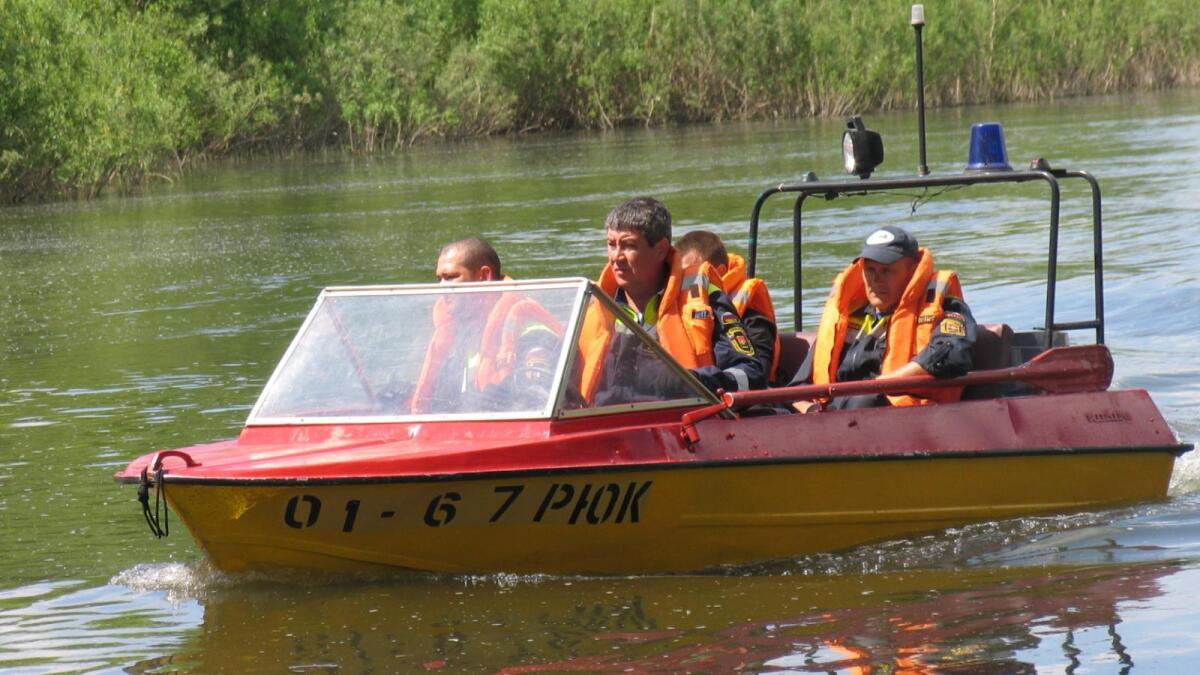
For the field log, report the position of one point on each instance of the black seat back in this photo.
(993, 350)
(793, 349)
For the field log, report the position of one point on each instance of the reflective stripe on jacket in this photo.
(910, 326)
(684, 325)
(750, 293)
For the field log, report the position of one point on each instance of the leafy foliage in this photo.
(109, 91)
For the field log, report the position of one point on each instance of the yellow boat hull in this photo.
(676, 517)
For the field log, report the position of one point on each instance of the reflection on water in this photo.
(1003, 619)
(893, 623)
(1056, 593)
(153, 321)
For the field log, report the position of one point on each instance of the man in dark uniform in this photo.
(749, 296)
(895, 273)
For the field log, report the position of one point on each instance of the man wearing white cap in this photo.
(892, 314)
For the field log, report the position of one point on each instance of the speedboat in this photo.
(344, 464)
(461, 428)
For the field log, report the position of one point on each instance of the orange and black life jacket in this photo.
(684, 324)
(910, 328)
(505, 326)
(750, 293)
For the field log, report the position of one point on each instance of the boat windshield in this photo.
(618, 366)
(467, 351)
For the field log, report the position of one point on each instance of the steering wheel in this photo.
(533, 373)
(529, 385)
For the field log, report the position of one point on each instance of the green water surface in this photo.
(151, 321)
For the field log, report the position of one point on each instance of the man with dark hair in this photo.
(687, 313)
(470, 259)
(749, 295)
(892, 314)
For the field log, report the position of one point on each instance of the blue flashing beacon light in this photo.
(988, 152)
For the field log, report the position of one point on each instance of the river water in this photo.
(152, 321)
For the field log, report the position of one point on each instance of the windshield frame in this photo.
(703, 397)
(584, 290)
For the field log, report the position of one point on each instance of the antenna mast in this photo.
(918, 22)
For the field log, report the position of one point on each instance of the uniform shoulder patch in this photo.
(952, 327)
(736, 333)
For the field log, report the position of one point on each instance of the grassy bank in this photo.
(99, 92)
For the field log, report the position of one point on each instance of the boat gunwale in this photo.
(1175, 450)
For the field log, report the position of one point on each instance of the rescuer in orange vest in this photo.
(686, 311)
(891, 314)
(479, 339)
(749, 295)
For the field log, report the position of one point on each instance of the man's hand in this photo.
(714, 379)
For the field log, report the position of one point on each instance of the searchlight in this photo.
(862, 149)
(988, 152)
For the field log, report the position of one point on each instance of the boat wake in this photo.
(180, 582)
(200, 580)
(1185, 478)
(1149, 532)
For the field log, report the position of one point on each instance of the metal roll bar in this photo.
(833, 189)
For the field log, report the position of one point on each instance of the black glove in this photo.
(715, 379)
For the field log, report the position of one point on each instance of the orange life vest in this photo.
(684, 325)
(911, 324)
(507, 320)
(506, 324)
(750, 293)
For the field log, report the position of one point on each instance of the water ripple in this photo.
(67, 628)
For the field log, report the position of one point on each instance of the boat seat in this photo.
(993, 349)
(793, 350)
(993, 346)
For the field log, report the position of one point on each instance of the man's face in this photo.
(452, 270)
(885, 283)
(637, 265)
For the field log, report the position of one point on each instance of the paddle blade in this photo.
(1065, 370)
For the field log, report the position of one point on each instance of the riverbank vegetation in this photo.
(102, 92)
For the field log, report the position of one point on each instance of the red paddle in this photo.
(1061, 370)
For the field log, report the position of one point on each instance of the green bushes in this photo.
(92, 97)
(110, 91)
